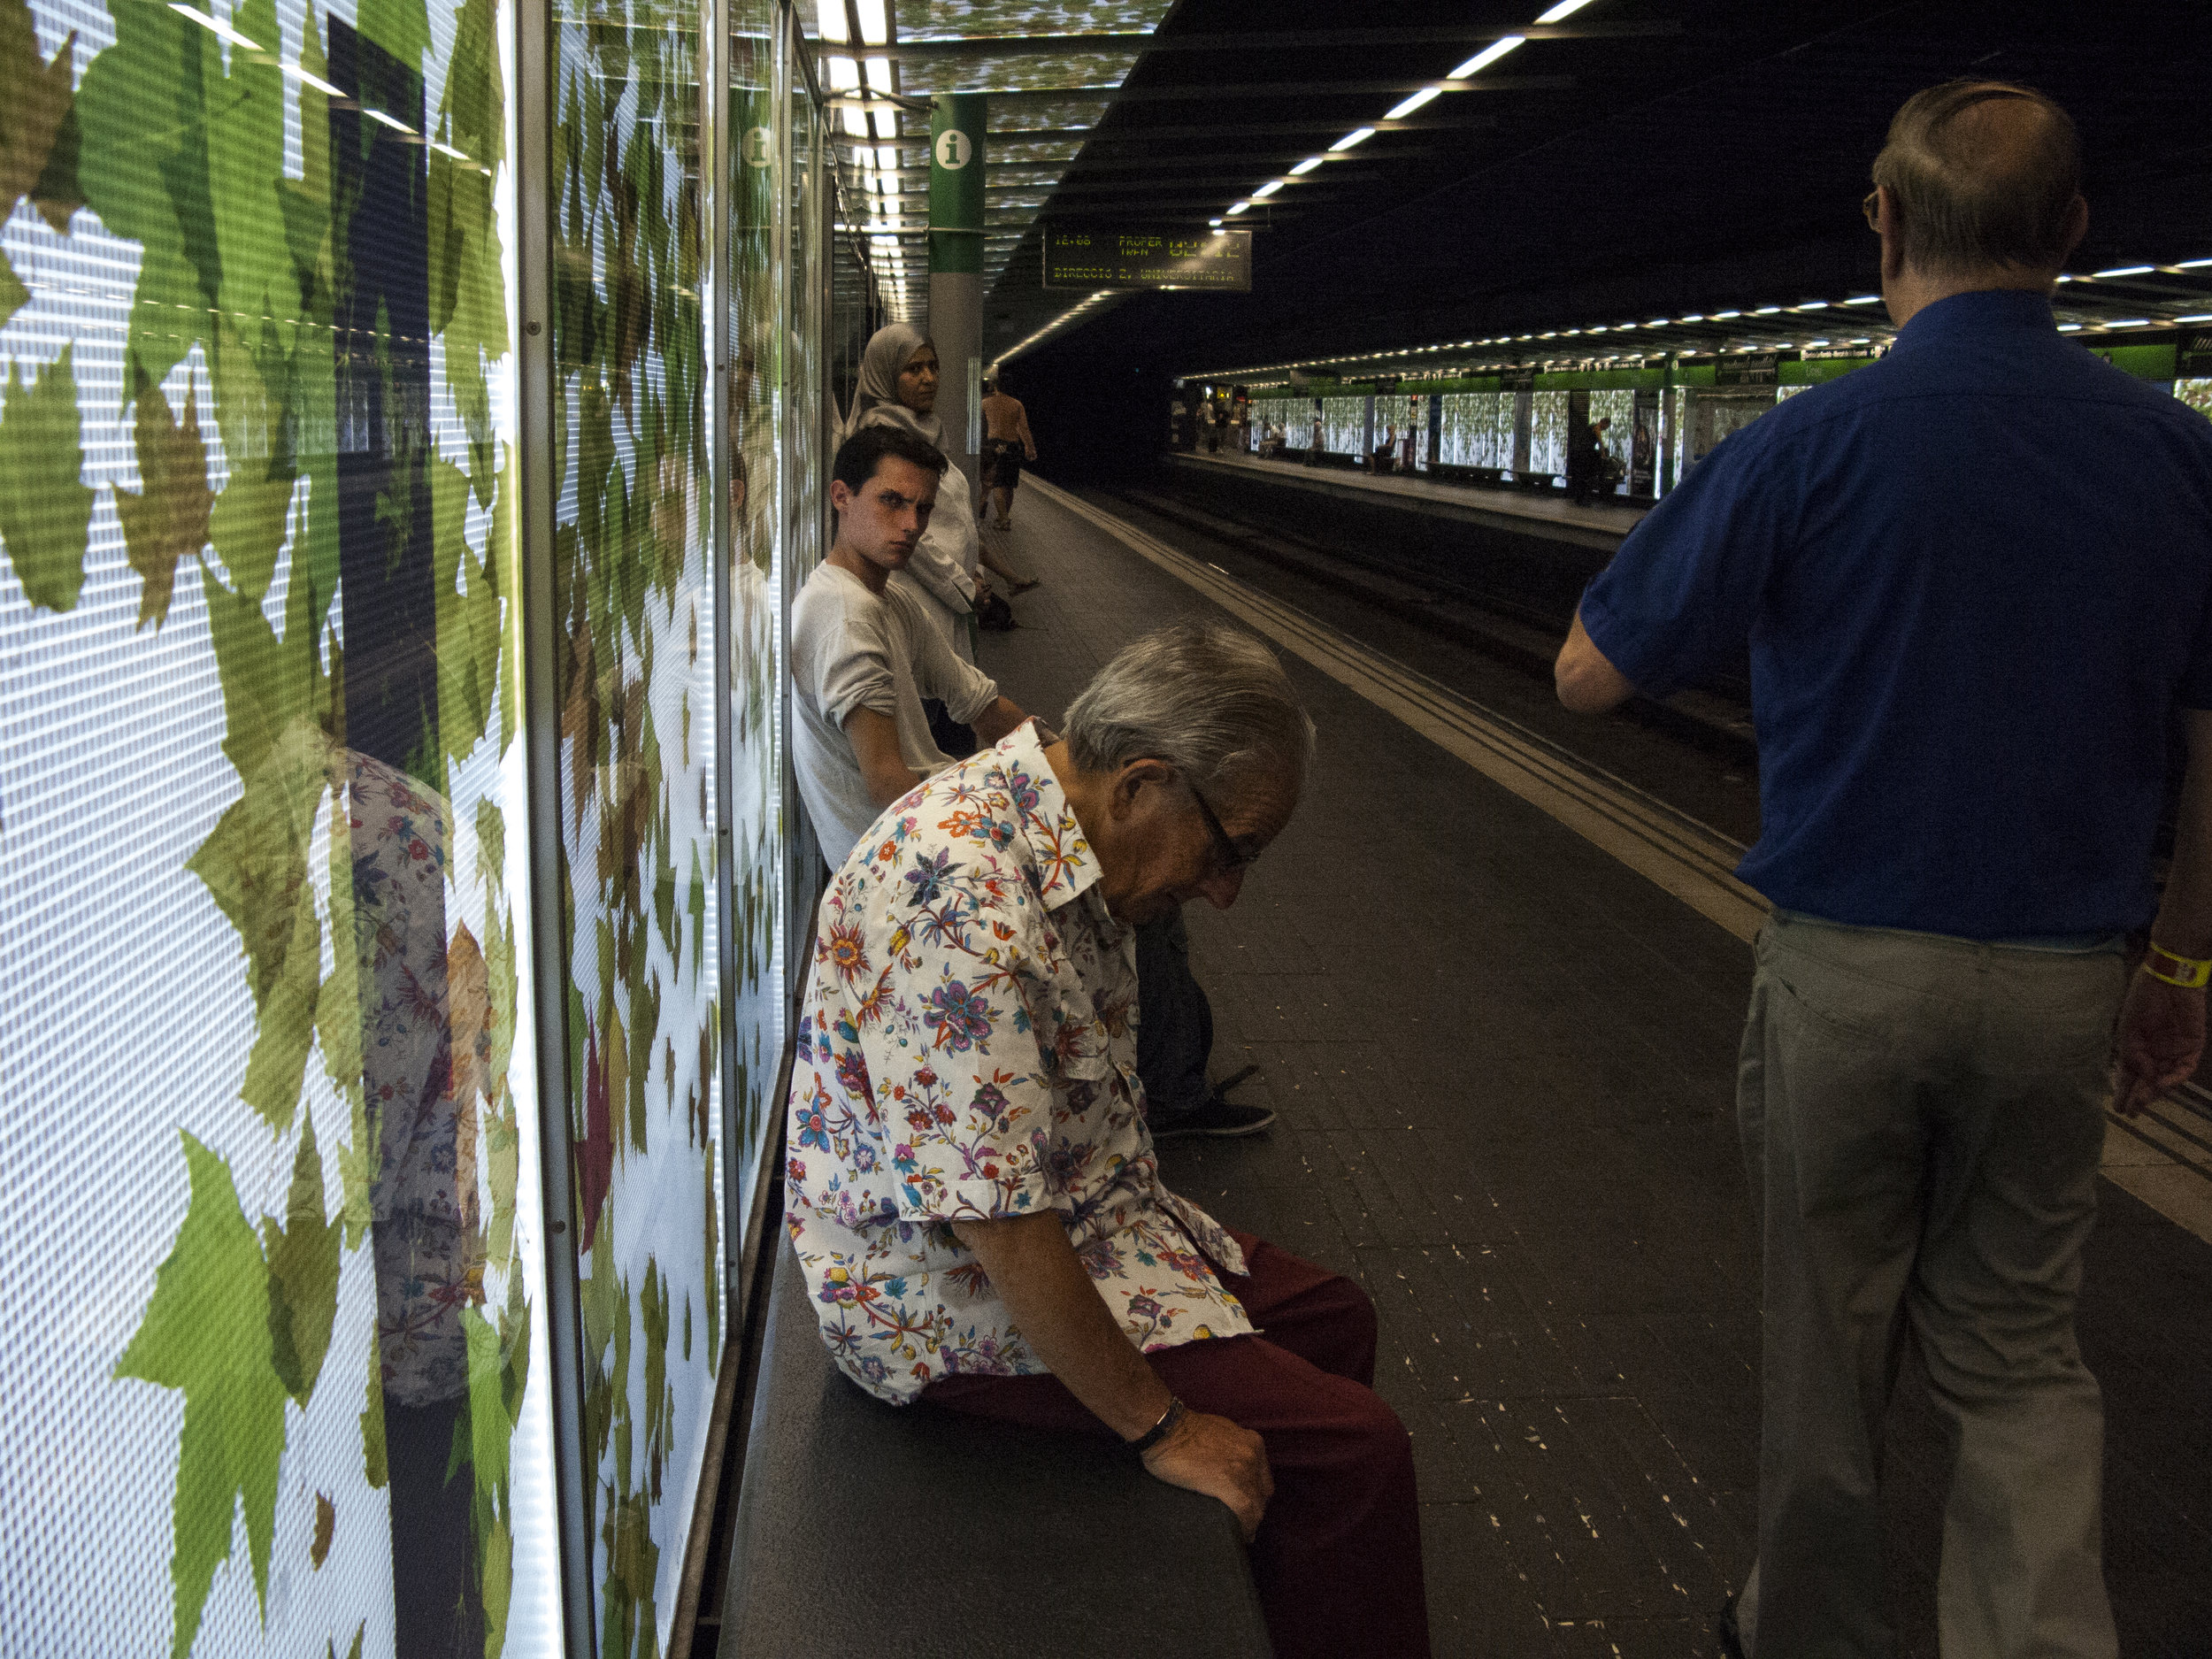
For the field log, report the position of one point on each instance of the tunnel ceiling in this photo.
(1635, 155)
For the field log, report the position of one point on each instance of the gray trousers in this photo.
(1921, 1121)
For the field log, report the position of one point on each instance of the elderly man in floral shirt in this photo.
(972, 1190)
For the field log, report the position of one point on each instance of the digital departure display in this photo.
(1081, 257)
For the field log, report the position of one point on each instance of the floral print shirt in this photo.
(968, 1051)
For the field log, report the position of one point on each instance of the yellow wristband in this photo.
(2175, 968)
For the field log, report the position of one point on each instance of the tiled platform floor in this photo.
(1504, 1070)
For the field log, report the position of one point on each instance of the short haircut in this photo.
(1210, 701)
(1982, 173)
(859, 456)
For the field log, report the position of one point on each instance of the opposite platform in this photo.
(1554, 516)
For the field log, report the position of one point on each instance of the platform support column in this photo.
(956, 125)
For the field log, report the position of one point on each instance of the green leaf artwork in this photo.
(255, 867)
(205, 1333)
(375, 1467)
(45, 512)
(326, 1525)
(36, 117)
(330, 1648)
(303, 1257)
(165, 519)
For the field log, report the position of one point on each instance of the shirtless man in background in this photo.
(1006, 444)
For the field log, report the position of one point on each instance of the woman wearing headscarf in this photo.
(898, 387)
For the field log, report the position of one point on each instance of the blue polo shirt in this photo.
(1973, 577)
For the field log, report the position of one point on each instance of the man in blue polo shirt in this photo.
(1973, 580)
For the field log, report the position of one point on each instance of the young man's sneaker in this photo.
(1219, 1119)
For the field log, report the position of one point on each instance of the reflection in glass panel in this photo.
(263, 836)
(1548, 423)
(761, 345)
(1617, 408)
(1477, 430)
(1343, 424)
(634, 592)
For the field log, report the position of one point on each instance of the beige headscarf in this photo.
(875, 400)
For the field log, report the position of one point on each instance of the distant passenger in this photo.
(863, 654)
(972, 1192)
(1974, 580)
(1006, 444)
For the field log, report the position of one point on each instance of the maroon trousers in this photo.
(1338, 1558)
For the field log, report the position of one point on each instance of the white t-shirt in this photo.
(854, 650)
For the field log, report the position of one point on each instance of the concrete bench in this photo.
(864, 1530)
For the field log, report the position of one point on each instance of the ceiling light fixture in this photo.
(1360, 134)
(1411, 104)
(1305, 166)
(1238, 209)
(1487, 56)
(1267, 189)
(1564, 8)
(2123, 270)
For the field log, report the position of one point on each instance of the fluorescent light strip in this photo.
(1487, 56)
(1238, 208)
(1411, 105)
(2123, 269)
(1360, 134)
(1305, 166)
(1267, 189)
(1564, 8)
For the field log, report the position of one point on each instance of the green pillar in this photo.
(956, 125)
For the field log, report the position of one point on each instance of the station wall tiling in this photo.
(274, 853)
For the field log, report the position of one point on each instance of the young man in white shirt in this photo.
(863, 655)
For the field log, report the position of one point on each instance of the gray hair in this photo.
(1983, 174)
(1210, 701)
